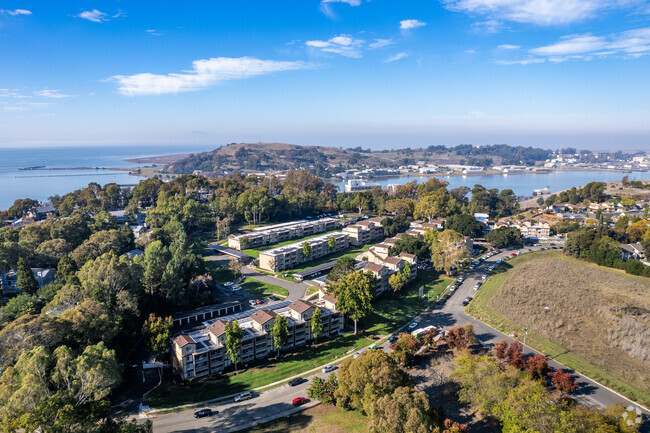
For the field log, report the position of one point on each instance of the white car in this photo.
(413, 325)
(243, 396)
(235, 288)
(476, 287)
(228, 284)
(329, 368)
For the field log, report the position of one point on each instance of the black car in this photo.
(393, 338)
(203, 413)
(297, 381)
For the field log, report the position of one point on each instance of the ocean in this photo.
(42, 184)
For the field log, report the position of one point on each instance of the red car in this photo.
(512, 255)
(258, 302)
(299, 401)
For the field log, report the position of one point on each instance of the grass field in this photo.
(319, 419)
(260, 289)
(388, 315)
(593, 319)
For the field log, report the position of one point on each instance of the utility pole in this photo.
(523, 350)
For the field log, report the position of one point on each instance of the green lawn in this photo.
(220, 274)
(392, 313)
(480, 309)
(388, 315)
(260, 289)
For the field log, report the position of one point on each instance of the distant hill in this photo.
(326, 161)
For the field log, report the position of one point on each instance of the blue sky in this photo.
(380, 73)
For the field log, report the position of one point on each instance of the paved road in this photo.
(263, 406)
(453, 313)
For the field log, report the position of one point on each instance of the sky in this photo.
(379, 74)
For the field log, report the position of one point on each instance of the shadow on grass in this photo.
(501, 268)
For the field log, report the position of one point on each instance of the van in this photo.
(243, 396)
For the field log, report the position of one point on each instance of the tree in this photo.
(280, 332)
(323, 390)
(22, 207)
(563, 381)
(360, 202)
(499, 349)
(343, 266)
(50, 252)
(316, 324)
(448, 250)
(235, 266)
(234, 335)
(306, 250)
(439, 203)
(156, 332)
(504, 237)
(355, 292)
(461, 336)
(540, 201)
(400, 206)
(464, 224)
(26, 281)
(537, 367)
(396, 282)
(403, 411)
(429, 338)
(405, 348)
(363, 380)
(97, 371)
(515, 355)
(331, 243)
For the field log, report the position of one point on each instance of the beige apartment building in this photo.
(365, 232)
(274, 234)
(290, 256)
(529, 229)
(202, 353)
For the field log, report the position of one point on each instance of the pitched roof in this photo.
(218, 328)
(382, 245)
(373, 267)
(330, 298)
(407, 255)
(301, 306)
(365, 223)
(263, 316)
(392, 260)
(183, 340)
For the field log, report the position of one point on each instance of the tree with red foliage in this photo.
(515, 355)
(537, 366)
(453, 427)
(500, 348)
(563, 381)
(461, 336)
(428, 338)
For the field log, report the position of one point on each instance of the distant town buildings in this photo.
(355, 185)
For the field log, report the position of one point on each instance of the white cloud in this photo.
(153, 32)
(411, 24)
(527, 61)
(15, 12)
(540, 12)
(380, 43)
(627, 44)
(93, 15)
(489, 26)
(470, 51)
(204, 73)
(47, 93)
(345, 45)
(396, 57)
(327, 9)
(509, 47)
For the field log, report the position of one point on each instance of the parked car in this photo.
(392, 339)
(228, 284)
(358, 354)
(203, 413)
(413, 325)
(258, 301)
(251, 302)
(467, 300)
(299, 401)
(452, 288)
(243, 396)
(329, 368)
(297, 381)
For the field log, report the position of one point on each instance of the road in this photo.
(276, 402)
(296, 290)
(453, 313)
(263, 406)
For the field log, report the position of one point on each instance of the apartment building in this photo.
(290, 256)
(365, 232)
(529, 229)
(202, 353)
(281, 232)
(355, 185)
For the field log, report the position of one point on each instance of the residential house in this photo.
(632, 251)
(9, 280)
